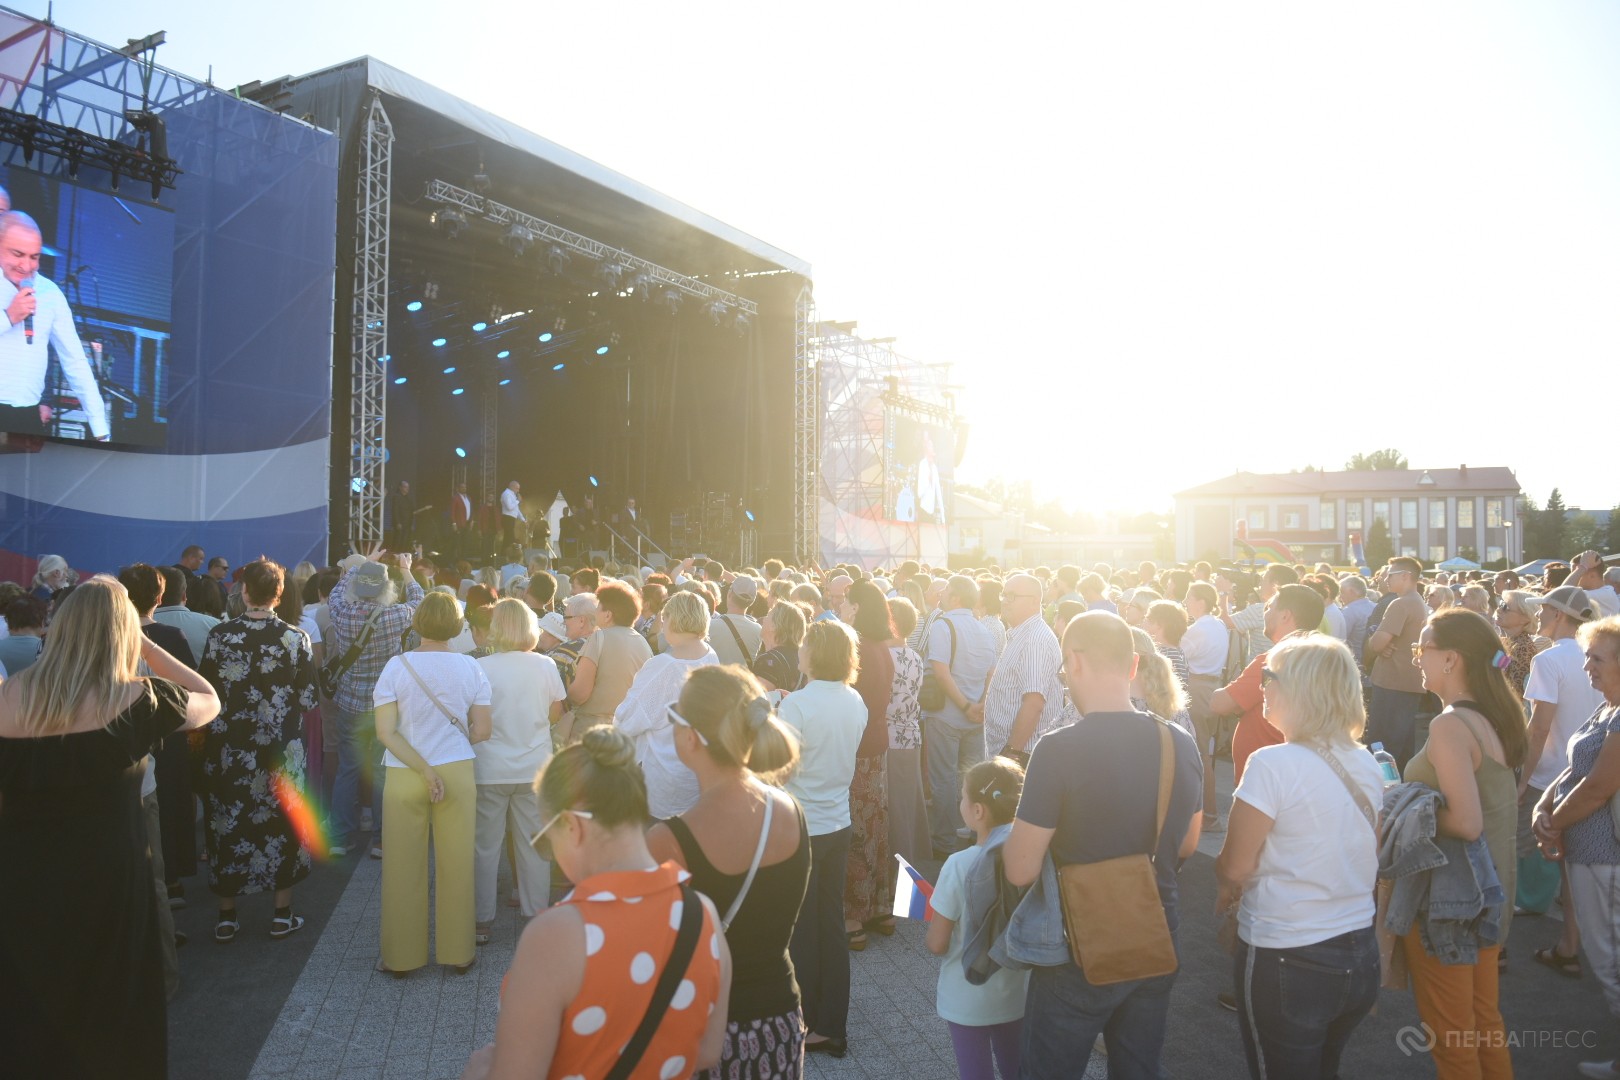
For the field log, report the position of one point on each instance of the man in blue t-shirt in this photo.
(1091, 793)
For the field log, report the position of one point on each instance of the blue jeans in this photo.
(358, 752)
(1298, 1007)
(1064, 1014)
(949, 751)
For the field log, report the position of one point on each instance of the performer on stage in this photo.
(38, 320)
(461, 521)
(399, 514)
(511, 513)
(930, 492)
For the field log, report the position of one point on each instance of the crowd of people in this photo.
(725, 764)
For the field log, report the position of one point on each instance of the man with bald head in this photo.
(1025, 699)
(837, 595)
(38, 320)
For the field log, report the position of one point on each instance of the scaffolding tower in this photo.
(368, 403)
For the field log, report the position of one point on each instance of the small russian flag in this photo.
(912, 893)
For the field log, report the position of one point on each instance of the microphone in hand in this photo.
(28, 320)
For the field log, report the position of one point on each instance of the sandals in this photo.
(285, 927)
(225, 929)
(1567, 966)
(857, 940)
(884, 925)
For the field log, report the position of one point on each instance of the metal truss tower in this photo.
(368, 404)
(489, 484)
(806, 409)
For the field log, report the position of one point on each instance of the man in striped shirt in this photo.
(1025, 698)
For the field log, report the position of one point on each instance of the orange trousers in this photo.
(1459, 1003)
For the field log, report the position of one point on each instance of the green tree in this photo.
(1551, 531)
(1378, 547)
(1611, 540)
(1581, 534)
(1378, 459)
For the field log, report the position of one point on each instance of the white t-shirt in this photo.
(1605, 600)
(308, 624)
(1306, 888)
(524, 685)
(830, 719)
(1558, 677)
(458, 682)
(998, 1001)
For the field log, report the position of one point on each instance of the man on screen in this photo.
(37, 320)
(930, 492)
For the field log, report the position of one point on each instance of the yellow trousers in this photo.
(408, 821)
(1459, 1003)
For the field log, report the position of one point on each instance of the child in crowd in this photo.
(983, 1019)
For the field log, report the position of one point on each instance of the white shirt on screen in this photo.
(23, 366)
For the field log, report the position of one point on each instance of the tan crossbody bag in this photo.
(1111, 909)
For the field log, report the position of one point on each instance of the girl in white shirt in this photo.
(1304, 907)
(986, 1021)
(672, 789)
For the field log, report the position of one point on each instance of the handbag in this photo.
(1112, 910)
(680, 958)
(332, 672)
(1392, 970)
(459, 724)
(931, 694)
(753, 867)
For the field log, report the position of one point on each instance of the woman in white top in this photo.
(1304, 907)
(643, 715)
(526, 698)
(432, 706)
(830, 718)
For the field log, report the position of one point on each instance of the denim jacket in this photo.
(988, 907)
(1034, 936)
(1453, 886)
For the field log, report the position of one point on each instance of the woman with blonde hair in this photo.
(748, 848)
(1440, 597)
(586, 970)
(432, 707)
(781, 631)
(1516, 618)
(1156, 687)
(51, 576)
(81, 975)
(1303, 905)
(830, 719)
(526, 698)
(1474, 745)
(644, 714)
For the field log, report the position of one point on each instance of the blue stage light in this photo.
(400, 381)
(546, 336)
(438, 342)
(480, 327)
(414, 305)
(558, 367)
(460, 452)
(503, 354)
(358, 483)
(749, 514)
(505, 381)
(385, 358)
(602, 351)
(450, 371)
(458, 391)
(593, 482)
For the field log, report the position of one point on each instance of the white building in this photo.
(1432, 514)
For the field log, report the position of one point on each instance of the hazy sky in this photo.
(1158, 242)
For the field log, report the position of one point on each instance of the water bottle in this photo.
(1386, 764)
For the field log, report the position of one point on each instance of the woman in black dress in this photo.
(726, 733)
(253, 754)
(81, 978)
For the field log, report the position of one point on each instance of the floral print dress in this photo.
(253, 758)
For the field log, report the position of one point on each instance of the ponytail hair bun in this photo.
(609, 747)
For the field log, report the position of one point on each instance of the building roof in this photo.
(1360, 481)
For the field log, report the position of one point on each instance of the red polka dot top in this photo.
(631, 918)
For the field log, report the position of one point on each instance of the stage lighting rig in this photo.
(452, 221)
(717, 311)
(741, 323)
(148, 163)
(672, 301)
(556, 258)
(517, 240)
(612, 274)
